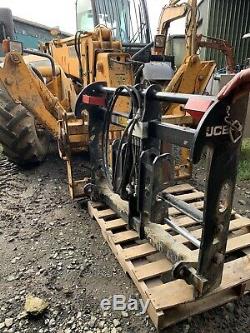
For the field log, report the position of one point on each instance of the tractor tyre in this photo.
(6, 20)
(22, 142)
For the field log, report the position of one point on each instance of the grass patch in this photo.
(244, 168)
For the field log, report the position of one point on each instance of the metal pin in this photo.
(183, 232)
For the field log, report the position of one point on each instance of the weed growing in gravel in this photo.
(244, 169)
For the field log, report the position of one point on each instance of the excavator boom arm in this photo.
(220, 45)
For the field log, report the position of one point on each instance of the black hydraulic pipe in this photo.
(45, 55)
(134, 45)
(145, 48)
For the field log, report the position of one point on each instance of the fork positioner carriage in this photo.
(141, 173)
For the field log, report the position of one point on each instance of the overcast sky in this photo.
(62, 12)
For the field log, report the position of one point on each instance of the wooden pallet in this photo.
(173, 301)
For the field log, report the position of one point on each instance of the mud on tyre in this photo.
(22, 142)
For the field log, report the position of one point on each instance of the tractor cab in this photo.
(128, 19)
(129, 22)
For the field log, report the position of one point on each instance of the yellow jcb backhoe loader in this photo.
(44, 87)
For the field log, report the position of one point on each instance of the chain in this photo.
(235, 127)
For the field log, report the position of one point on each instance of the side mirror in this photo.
(160, 42)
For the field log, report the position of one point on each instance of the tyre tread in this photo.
(18, 135)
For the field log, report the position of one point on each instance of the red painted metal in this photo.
(196, 107)
(94, 100)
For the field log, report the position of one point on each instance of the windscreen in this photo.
(128, 19)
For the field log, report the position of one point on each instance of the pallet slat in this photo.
(115, 224)
(233, 244)
(238, 242)
(234, 225)
(125, 236)
(106, 213)
(152, 269)
(190, 196)
(179, 188)
(182, 222)
(138, 251)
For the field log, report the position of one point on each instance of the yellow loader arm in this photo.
(27, 89)
(54, 113)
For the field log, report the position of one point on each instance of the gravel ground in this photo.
(52, 249)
